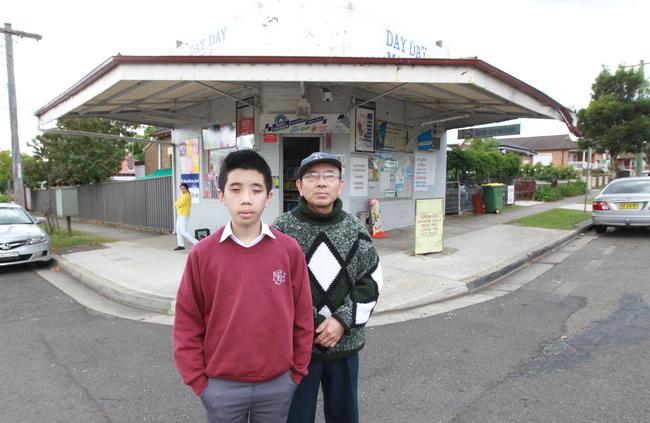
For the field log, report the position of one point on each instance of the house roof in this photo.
(159, 90)
(507, 144)
(544, 143)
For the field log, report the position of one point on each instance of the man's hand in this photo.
(329, 333)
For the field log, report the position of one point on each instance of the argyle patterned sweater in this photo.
(344, 271)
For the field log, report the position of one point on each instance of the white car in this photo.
(623, 202)
(21, 239)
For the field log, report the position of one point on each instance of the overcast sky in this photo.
(557, 46)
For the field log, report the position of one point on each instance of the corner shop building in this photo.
(385, 117)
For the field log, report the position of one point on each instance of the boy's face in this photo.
(245, 196)
(320, 193)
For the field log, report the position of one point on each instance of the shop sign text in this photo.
(398, 45)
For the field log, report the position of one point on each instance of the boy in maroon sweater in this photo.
(243, 329)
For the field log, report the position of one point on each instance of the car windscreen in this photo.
(628, 187)
(14, 216)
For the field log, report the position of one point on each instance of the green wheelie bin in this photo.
(493, 197)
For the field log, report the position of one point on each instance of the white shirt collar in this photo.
(227, 232)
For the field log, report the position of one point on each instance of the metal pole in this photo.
(19, 191)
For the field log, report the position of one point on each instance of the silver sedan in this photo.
(623, 202)
(21, 239)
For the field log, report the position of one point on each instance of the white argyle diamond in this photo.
(324, 266)
(378, 276)
(363, 312)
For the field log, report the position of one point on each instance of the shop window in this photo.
(218, 141)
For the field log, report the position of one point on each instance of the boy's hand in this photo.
(329, 333)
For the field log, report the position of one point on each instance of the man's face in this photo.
(245, 197)
(318, 187)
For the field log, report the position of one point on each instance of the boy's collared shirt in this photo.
(227, 232)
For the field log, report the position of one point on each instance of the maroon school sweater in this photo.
(243, 314)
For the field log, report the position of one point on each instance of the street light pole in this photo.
(19, 191)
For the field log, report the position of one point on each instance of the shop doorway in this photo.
(294, 149)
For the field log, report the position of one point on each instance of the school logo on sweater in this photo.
(279, 276)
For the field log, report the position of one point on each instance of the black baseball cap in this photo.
(318, 157)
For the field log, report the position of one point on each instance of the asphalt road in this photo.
(61, 362)
(572, 345)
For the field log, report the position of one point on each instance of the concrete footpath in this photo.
(141, 270)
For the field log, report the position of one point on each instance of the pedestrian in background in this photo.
(183, 206)
(243, 328)
(345, 278)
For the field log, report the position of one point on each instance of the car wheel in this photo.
(600, 229)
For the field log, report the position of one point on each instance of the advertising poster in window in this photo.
(390, 175)
(245, 124)
(421, 173)
(429, 139)
(429, 215)
(358, 177)
(391, 136)
(192, 181)
(219, 136)
(189, 164)
(189, 155)
(213, 160)
(285, 123)
(364, 140)
(425, 171)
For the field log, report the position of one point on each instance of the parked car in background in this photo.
(21, 239)
(623, 202)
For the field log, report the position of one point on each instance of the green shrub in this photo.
(4, 198)
(566, 172)
(482, 163)
(528, 171)
(547, 193)
(572, 189)
(550, 172)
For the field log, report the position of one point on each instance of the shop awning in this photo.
(159, 90)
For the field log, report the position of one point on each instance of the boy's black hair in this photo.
(184, 185)
(248, 160)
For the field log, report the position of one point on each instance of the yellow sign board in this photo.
(429, 215)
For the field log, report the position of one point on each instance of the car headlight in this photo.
(37, 240)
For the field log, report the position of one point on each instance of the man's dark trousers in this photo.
(339, 379)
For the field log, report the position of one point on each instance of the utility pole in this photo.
(19, 191)
(639, 162)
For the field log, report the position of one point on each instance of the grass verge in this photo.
(553, 219)
(62, 243)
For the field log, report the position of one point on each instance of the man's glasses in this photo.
(313, 177)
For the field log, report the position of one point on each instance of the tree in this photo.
(6, 170)
(34, 171)
(482, 162)
(617, 119)
(78, 160)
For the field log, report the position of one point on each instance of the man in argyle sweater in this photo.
(345, 277)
